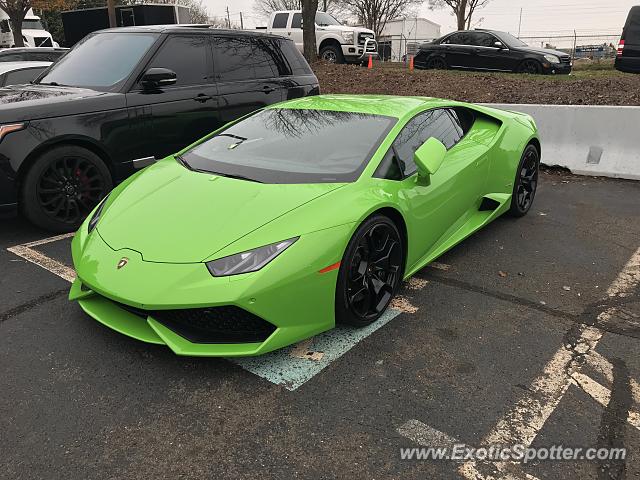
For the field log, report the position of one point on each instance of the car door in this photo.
(438, 207)
(458, 50)
(177, 115)
(246, 75)
(295, 30)
(487, 55)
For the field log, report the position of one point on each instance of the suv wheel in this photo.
(331, 54)
(437, 63)
(62, 187)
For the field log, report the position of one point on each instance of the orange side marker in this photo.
(335, 266)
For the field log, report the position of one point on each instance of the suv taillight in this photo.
(620, 47)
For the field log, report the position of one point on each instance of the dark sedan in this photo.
(490, 50)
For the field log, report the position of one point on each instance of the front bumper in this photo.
(360, 51)
(289, 294)
(556, 68)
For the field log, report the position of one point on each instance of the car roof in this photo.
(188, 28)
(10, 66)
(389, 105)
(32, 49)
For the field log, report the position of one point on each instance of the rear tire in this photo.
(370, 272)
(437, 63)
(62, 187)
(331, 54)
(525, 183)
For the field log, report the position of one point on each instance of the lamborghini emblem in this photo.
(123, 261)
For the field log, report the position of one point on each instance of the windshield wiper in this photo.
(53, 84)
(183, 162)
(237, 177)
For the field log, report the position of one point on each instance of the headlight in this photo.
(250, 261)
(14, 127)
(347, 37)
(96, 216)
(552, 58)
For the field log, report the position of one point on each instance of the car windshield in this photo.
(293, 146)
(32, 24)
(101, 61)
(323, 19)
(510, 40)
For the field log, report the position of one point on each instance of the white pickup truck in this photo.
(336, 43)
(33, 33)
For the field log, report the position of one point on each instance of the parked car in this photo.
(628, 55)
(490, 50)
(33, 32)
(19, 73)
(306, 214)
(124, 96)
(336, 43)
(32, 54)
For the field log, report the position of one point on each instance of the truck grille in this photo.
(362, 37)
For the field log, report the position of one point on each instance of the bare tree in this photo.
(462, 9)
(309, 9)
(264, 8)
(197, 10)
(375, 14)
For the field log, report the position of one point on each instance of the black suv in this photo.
(490, 50)
(628, 55)
(123, 96)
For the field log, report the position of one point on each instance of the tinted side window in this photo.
(433, 123)
(13, 57)
(632, 28)
(296, 21)
(482, 39)
(460, 38)
(188, 56)
(280, 20)
(298, 64)
(275, 53)
(19, 77)
(243, 58)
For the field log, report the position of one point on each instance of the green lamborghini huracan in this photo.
(296, 217)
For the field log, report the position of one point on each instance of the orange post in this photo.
(370, 65)
(411, 63)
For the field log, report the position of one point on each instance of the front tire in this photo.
(331, 54)
(62, 186)
(370, 272)
(530, 66)
(526, 182)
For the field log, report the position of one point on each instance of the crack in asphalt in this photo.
(588, 317)
(33, 303)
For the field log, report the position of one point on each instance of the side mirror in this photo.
(429, 157)
(158, 77)
(498, 44)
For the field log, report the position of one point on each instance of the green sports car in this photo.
(298, 216)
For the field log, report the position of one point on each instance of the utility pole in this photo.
(520, 22)
(241, 22)
(228, 19)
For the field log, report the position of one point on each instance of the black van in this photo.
(123, 96)
(628, 57)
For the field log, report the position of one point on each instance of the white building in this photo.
(403, 36)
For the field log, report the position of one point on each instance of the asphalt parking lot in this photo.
(528, 332)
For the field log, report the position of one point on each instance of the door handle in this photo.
(202, 98)
(268, 89)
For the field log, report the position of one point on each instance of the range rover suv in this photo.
(121, 98)
(490, 50)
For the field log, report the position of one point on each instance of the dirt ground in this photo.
(583, 87)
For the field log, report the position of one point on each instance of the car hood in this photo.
(31, 102)
(170, 214)
(543, 51)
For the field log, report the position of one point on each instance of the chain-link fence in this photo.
(397, 48)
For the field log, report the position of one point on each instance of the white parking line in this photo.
(27, 252)
(524, 420)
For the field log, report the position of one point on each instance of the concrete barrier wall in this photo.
(588, 140)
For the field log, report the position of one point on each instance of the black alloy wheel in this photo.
(532, 67)
(370, 272)
(63, 186)
(526, 182)
(437, 63)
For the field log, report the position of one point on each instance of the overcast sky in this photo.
(586, 16)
